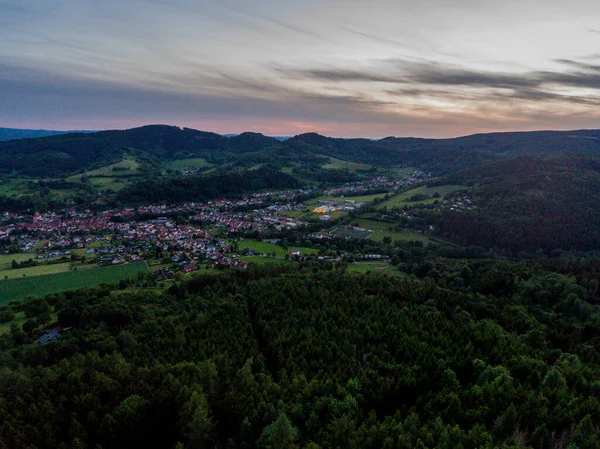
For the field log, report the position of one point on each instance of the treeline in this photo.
(202, 188)
(313, 356)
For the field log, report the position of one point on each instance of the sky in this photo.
(347, 68)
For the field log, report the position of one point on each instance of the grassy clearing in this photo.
(402, 171)
(40, 286)
(339, 164)
(263, 260)
(40, 270)
(114, 176)
(382, 229)
(186, 164)
(6, 259)
(379, 267)
(19, 318)
(403, 199)
(11, 187)
(262, 247)
(343, 231)
(305, 251)
(125, 168)
(357, 199)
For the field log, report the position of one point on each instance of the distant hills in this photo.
(64, 154)
(15, 134)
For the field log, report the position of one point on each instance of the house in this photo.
(52, 334)
(188, 267)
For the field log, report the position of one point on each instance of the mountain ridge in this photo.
(69, 153)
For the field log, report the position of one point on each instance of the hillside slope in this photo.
(530, 203)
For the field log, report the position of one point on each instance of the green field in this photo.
(262, 247)
(115, 184)
(402, 171)
(114, 176)
(186, 164)
(381, 229)
(338, 164)
(378, 267)
(401, 199)
(343, 231)
(40, 286)
(305, 251)
(128, 167)
(39, 270)
(263, 260)
(358, 199)
(11, 187)
(6, 259)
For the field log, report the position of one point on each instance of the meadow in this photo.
(40, 286)
(126, 167)
(378, 267)
(114, 176)
(403, 199)
(382, 229)
(39, 270)
(339, 164)
(262, 247)
(305, 251)
(261, 260)
(186, 164)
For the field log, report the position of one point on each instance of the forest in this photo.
(202, 188)
(529, 204)
(458, 353)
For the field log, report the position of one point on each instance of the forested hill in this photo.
(312, 357)
(530, 203)
(15, 134)
(76, 152)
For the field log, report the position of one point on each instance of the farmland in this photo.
(419, 196)
(40, 286)
(6, 259)
(262, 247)
(382, 229)
(127, 167)
(374, 267)
(344, 231)
(305, 251)
(338, 164)
(39, 270)
(263, 260)
(114, 176)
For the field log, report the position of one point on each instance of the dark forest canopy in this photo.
(202, 188)
(312, 357)
(530, 204)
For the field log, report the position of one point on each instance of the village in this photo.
(173, 238)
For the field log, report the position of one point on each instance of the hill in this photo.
(15, 134)
(308, 356)
(76, 152)
(530, 203)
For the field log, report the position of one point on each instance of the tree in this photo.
(279, 435)
(196, 421)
